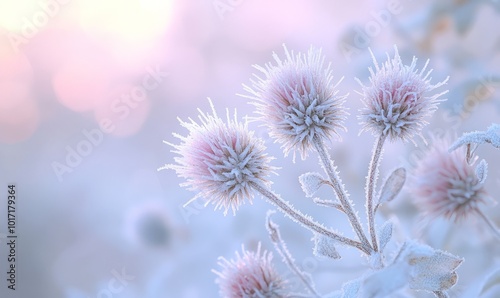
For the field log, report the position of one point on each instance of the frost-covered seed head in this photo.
(398, 99)
(221, 160)
(444, 184)
(251, 275)
(298, 100)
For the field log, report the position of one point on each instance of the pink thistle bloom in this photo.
(298, 100)
(398, 98)
(221, 160)
(444, 184)
(251, 275)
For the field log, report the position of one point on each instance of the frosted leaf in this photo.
(392, 186)
(492, 136)
(310, 183)
(272, 228)
(385, 234)
(482, 171)
(325, 247)
(431, 269)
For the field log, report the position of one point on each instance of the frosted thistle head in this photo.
(398, 98)
(298, 100)
(221, 161)
(250, 275)
(444, 184)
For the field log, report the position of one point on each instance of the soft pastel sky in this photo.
(90, 89)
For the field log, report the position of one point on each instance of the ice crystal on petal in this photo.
(221, 160)
(398, 98)
(298, 100)
(444, 184)
(250, 275)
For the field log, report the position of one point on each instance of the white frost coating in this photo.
(492, 136)
(392, 185)
(325, 247)
(482, 171)
(417, 266)
(430, 269)
(310, 183)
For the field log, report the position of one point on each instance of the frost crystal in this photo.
(221, 160)
(298, 100)
(445, 184)
(251, 275)
(397, 99)
(492, 136)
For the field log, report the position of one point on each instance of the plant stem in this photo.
(341, 193)
(488, 221)
(371, 182)
(287, 257)
(306, 221)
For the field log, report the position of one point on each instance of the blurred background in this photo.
(89, 90)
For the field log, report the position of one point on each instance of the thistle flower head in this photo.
(221, 161)
(298, 100)
(398, 98)
(251, 275)
(444, 184)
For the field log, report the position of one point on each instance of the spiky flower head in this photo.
(298, 100)
(221, 161)
(444, 184)
(398, 98)
(250, 275)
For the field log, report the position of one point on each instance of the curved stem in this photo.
(304, 220)
(280, 246)
(371, 181)
(488, 221)
(341, 193)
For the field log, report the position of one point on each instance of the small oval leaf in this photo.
(325, 247)
(310, 183)
(385, 234)
(392, 185)
(482, 171)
